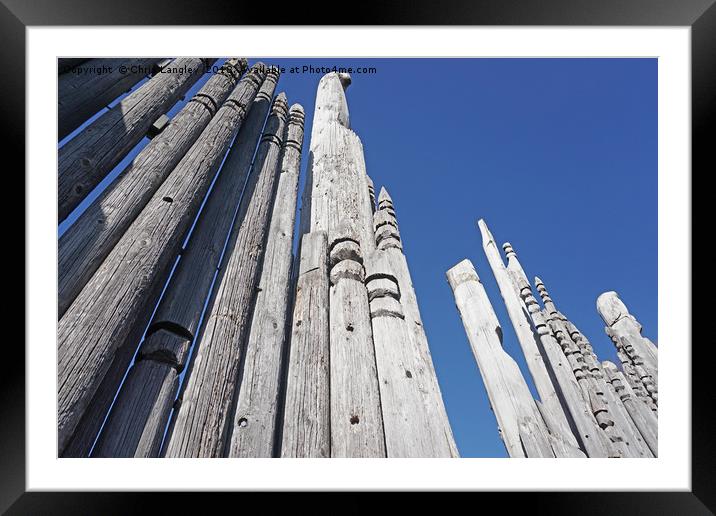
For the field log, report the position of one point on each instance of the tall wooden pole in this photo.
(87, 90)
(409, 429)
(627, 333)
(114, 307)
(356, 419)
(88, 157)
(306, 421)
(644, 419)
(520, 424)
(336, 169)
(388, 240)
(177, 317)
(203, 421)
(254, 428)
(581, 413)
(88, 241)
(551, 404)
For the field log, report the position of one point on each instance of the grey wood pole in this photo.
(254, 430)
(183, 302)
(135, 426)
(389, 241)
(86, 90)
(551, 405)
(409, 429)
(203, 421)
(644, 419)
(306, 420)
(356, 420)
(638, 447)
(114, 307)
(88, 241)
(592, 439)
(92, 154)
(626, 333)
(520, 423)
(336, 168)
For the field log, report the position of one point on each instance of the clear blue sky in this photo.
(559, 156)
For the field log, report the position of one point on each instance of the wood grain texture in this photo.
(203, 420)
(644, 419)
(551, 406)
(184, 299)
(92, 154)
(89, 88)
(410, 430)
(88, 241)
(336, 168)
(254, 429)
(112, 310)
(356, 420)
(520, 424)
(625, 326)
(306, 422)
(389, 241)
(579, 411)
(136, 424)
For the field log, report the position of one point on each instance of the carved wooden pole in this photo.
(356, 420)
(388, 240)
(336, 170)
(306, 422)
(203, 421)
(87, 90)
(112, 310)
(89, 156)
(176, 319)
(409, 430)
(87, 242)
(593, 440)
(628, 330)
(644, 419)
(254, 427)
(520, 424)
(551, 406)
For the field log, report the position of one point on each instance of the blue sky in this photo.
(559, 156)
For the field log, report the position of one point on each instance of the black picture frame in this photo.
(17, 15)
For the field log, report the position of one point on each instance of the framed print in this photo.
(452, 240)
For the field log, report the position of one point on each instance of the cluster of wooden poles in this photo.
(586, 408)
(187, 328)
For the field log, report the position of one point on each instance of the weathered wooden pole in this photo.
(150, 390)
(644, 419)
(112, 310)
(627, 332)
(356, 419)
(388, 240)
(88, 89)
(607, 409)
(588, 432)
(336, 169)
(88, 241)
(551, 405)
(306, 421)
(634, 439)
(254, 431)
(203, 421)
(88, 157)
(520, 424)
(409, 429)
